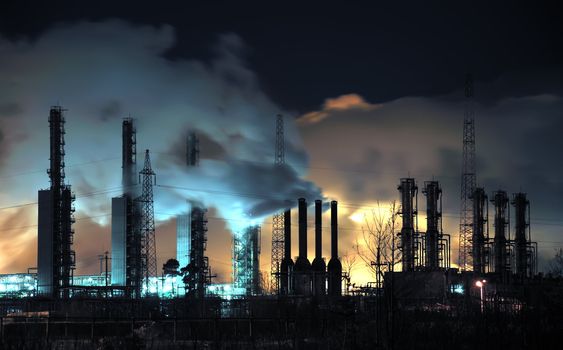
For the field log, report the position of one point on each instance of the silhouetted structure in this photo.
(198, 274)
(500, 258)
(480, 219)
(525, 251)
(334, 268)
(433, 194)
(56, 259)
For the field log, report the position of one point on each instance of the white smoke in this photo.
(104, 71)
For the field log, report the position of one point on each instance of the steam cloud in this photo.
(102, 72)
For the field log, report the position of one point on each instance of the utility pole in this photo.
(468, 180)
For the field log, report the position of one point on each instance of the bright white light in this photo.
(479, 284)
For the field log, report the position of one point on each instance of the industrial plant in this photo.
(421, 295)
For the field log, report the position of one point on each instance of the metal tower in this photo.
(468, 180)
(147, 177)
(278, 219)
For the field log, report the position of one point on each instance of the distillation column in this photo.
(521, 209)
(433, 194)
(500, 201)
(408, 191)
(479, 199)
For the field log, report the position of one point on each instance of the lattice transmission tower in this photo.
(278, 219)
(148, 179)
(468, 180)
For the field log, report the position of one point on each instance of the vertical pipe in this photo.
(319, 265)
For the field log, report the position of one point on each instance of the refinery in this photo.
(134, 303)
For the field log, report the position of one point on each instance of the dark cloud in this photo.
(110, 111)
(10, 109)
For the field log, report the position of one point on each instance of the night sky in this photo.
(371, 93)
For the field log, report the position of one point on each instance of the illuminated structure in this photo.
(148, 241)
(126, 245)
(246, 260)
(468, 179)
(56, 259)
(409, 235)
(278, 232)
(198, 274)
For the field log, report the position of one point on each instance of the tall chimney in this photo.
(333, 230)
(318, 229)
(302, 265)
(286, 268)
(319, 265)
(302, 228)
(334, 265)
(287, 234)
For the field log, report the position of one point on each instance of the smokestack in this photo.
(286, 267)
(318, 229)
(302, 228)
(334, 265)
(319, 265)
(333, 230)
(302, 265)
(287, 234)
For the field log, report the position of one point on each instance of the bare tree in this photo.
(555, 266)
(376, 246)
(349, 261)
